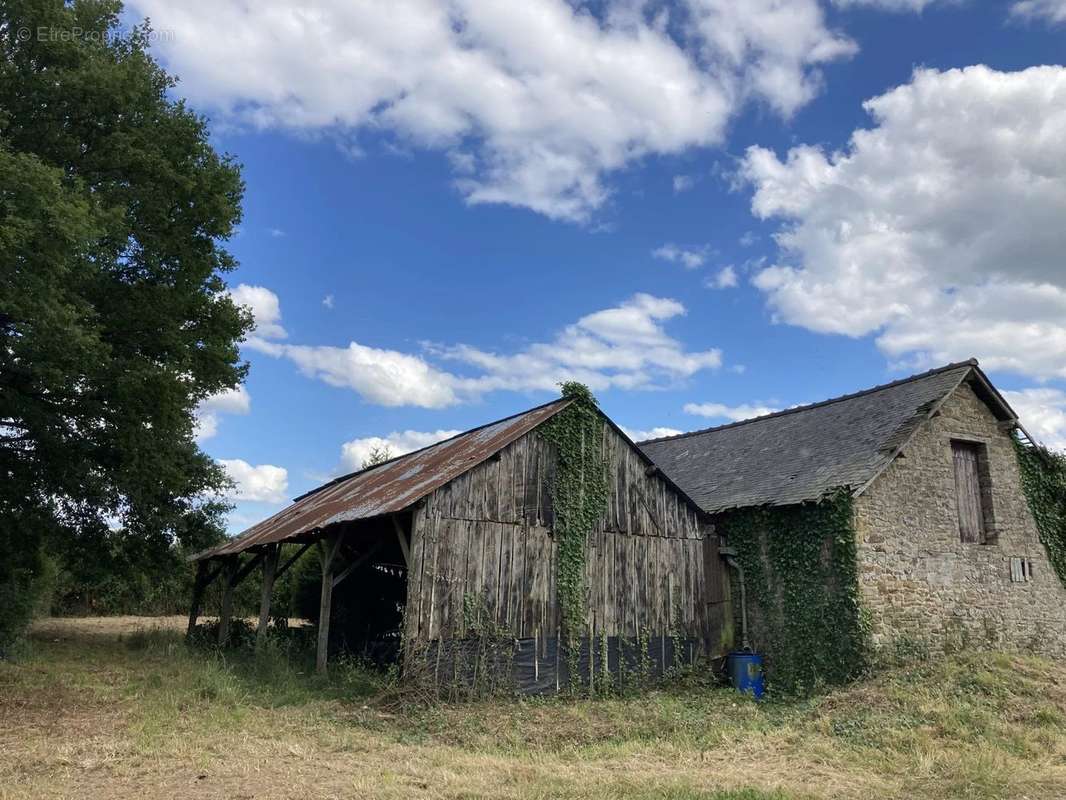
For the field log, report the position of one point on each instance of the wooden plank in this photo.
(431, 533)
(292, 560)
(415, 576)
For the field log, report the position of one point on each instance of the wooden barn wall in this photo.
(483, 543)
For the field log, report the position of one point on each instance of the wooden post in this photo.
(270, 566)
(197, 595)
(328, 552)
(229, 577)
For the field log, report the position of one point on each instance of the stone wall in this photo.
(919, 581)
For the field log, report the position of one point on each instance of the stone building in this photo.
(947, 549)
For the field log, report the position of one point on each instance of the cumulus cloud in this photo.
(638, 435)
(327, 301)
(625, 347)
(265, 308)
(1053, 11)
(355, 452)
(945, 246)
(533, 102)
(725, 278)
(264, 483)
(689, 257)
(231, 401)
(1043, 413)
(731, 413)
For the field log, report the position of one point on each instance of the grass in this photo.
(122, 709)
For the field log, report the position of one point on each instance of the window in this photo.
(973, 495)
(1021, 569)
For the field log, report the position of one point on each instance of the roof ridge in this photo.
(970, 362)
(394, 459)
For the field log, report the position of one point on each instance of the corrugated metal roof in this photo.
(388, 487)
(804, 453)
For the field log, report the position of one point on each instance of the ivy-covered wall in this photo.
(1044, 482)
(800, 571)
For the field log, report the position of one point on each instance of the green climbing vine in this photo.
(801, 574)
(579, 494)
(1044, 483)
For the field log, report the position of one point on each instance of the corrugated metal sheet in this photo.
(389, 487)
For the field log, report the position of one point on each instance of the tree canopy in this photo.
(114, 319)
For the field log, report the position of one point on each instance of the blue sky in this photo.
(699, 208)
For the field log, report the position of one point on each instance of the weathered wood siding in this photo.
(484, 542)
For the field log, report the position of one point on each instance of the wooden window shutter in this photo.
(968, 492)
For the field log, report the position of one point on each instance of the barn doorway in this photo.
(369, 600)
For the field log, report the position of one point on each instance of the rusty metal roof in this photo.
(388, 487)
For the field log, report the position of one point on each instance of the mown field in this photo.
(120, 708)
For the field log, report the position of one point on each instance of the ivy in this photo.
(1044, 483)
(801, 574)
(579, 495)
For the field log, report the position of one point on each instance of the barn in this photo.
(895, 517)
(550, 529)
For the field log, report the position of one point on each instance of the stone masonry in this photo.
(920, 582)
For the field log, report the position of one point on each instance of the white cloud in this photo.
(265, 308)
(771, 44)
(384, 377)
(638, 435)
(1053, 11)
(537, 101)
(327, 301)
(682, 183)
(725, 278)
(947, 246)
(689, 257)
(893, 5)
(263, 482)
(731, 413)
(276, 233)
(355, 452)
(1043, 412)
(231, 401)
(625, 347)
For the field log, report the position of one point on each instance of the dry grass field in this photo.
(120, 708)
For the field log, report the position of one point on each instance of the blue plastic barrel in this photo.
(745, 673)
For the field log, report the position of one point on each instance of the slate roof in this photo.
(388, 487)
(807, 452)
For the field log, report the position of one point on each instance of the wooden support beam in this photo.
(328, 551)
(249, 565)
(404, 547)
(285, 567)
(270, 566)
(229, 574)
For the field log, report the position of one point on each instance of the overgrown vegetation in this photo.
(114, 319)
(579, 498)
(1044, 483)
(86, 712)
(801, 574)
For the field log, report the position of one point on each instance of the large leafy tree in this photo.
(114, 321)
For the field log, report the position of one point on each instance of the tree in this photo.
(377, 455)
(114, 320)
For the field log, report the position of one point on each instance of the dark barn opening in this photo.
(368, 605)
